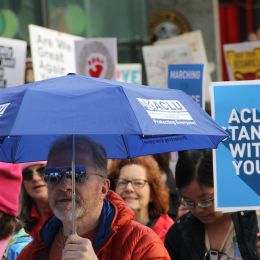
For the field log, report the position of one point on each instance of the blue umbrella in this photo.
(128, 120)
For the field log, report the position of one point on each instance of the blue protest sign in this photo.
(235, 107)
(188, 78)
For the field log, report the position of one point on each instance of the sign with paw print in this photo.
(57, 54)
(96, 57)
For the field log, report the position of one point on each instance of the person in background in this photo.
(34, 197)
(163, 160)
(254, 36)
(12, 235)
(138, 181)
(105, 226)
(204, 233)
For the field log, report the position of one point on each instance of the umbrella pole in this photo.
(73, 187)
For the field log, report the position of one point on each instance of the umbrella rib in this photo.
(140, 129)
(126, 147)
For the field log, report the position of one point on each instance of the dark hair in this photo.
(163, 160)
(26, 203)
(194, 165)
(159, 193)
(8, 225)
(85, 145)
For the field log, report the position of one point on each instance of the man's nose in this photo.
(65, 183)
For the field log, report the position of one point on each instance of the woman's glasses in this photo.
(54, 175)
(28, 173)
(201, 204)
(136, 183)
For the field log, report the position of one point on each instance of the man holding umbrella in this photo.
(105, 226)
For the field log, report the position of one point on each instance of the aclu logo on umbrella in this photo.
(167, 111)
(3, 107)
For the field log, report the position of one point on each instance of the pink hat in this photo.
(30, 164)
(10, 182)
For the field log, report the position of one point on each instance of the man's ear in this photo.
(105, 186)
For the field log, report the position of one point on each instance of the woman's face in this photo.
(195, 192)
(137, 198)
(36, 187)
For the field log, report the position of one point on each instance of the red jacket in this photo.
(162, 225)
(38, 220)
(126, 239)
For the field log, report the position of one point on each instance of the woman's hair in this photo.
(26, 204)
(8, 225)
(163, 160)
(194, 165)
(159, 193)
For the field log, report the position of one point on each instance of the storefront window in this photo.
(15, 17)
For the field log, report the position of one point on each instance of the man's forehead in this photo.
(64, 158)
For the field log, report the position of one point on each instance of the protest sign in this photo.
(188, 78)
(96, 57)
(129, 73)
(198, 52)
(157, 59)
(243, 60)
(12, 62)
(235, 106)
(53, 52)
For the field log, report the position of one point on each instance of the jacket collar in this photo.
(51, 228)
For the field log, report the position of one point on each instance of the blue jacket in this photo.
(18, 241)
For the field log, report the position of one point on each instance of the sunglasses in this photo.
(28, 173)
(54, 175)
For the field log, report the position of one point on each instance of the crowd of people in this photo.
(122, 211)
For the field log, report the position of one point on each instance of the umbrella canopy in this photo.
(128, 120)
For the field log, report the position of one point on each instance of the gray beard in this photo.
(67, 215)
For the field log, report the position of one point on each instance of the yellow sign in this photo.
(243, 64)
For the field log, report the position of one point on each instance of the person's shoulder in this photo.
(141, 241)
(135, 228)
(33, 248)
(185, 221)
(165, 220)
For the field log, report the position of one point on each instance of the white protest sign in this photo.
(53, 52)
(96, 57)
(195, 41)
(12, 62)
(157, 59)
(129, 73)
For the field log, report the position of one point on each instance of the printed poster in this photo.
(188, 78)
(12, 62)
(96, 57)
(243, 60)
(236, 107)
(129, 73)
(198, 52)
(157, 59)
(53, 52)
